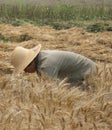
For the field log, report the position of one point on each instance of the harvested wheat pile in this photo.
(29, 102)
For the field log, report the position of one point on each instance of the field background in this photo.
(73, 2)
(30, 102)
(91, 15)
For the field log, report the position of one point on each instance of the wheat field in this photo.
(29, 102)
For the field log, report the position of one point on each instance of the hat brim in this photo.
(32, 53)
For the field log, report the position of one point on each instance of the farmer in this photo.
(55, 63)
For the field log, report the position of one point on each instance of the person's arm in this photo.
(51, 71)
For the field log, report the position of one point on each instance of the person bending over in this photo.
(55, 63)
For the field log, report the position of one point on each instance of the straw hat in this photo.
(22, 57)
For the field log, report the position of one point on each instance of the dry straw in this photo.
(29, 102)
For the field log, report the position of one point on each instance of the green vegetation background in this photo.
(92, 15)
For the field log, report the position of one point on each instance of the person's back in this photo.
(61, 64)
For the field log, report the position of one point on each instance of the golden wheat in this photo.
(29, 102)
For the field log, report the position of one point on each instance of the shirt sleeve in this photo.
(52, 71)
